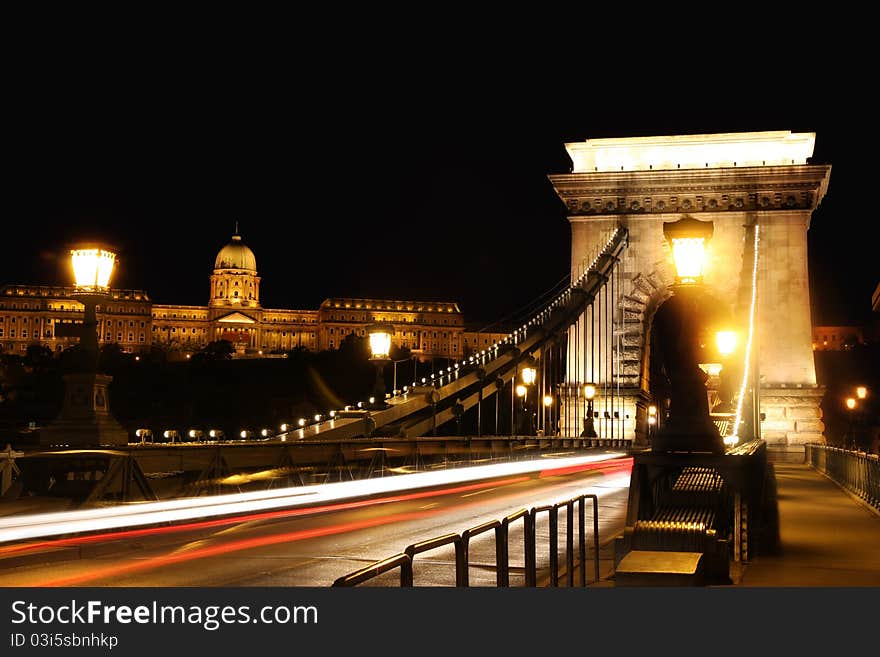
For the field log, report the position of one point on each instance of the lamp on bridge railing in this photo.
(688, 427)
(380, 347)
(864, 437)
(529, 375)
(85, 413)
(589, 427)
(652, 420)
(726, 343)
(851, 405)
(688, 238)
(549, 423)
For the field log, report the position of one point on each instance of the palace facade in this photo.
(50, 316)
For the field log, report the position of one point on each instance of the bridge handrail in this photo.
(461, 543)
(402, 561)
(440, 541)
(857, 472)
(553, 514)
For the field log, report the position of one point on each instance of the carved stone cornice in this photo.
(734, 189)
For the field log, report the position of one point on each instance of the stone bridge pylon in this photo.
(742, 183)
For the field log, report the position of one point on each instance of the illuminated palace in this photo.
(49, 315)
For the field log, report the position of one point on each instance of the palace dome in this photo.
(236, 255)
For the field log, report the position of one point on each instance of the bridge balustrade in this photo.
(857, 472)
(461, 543)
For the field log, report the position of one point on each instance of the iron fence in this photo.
(857, 472)
(461, 545)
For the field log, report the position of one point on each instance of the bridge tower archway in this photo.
(759, 190)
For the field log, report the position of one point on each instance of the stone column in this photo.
(789, 396)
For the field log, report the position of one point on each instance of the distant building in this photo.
(34, 314)
(47, 315)
(836, 338)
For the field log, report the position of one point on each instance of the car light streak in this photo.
(17, 528)
(615, 464)
(228, 547)
(269, 515)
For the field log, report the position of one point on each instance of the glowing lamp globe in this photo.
(528, 375)
(380, 340)
(92, 268)
(688, 238)
(726, 341)
(589, 391)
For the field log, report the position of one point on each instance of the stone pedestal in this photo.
(85, 419)
(793, 416)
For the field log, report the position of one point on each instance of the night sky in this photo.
(427, 192)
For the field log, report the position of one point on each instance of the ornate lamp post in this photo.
(862, 394)
(548, 415)
(688, 427)
(529, 376)
(589, 427)
(726, 343)
(652, 420)
(851, 406)
(85, 418)
(380, 346)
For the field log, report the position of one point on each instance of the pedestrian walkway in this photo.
(828, 537)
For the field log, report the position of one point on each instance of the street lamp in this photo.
(726, 341)
(380, 346)
(548, 415)
(589, 427)
(726, 344)
(851, 405)
(688, 427)
(688, 237)
(652, 420)
(92, 268)
(85, 412)
(529, 375)
(862, 394)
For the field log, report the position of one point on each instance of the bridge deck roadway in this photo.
(828, 536)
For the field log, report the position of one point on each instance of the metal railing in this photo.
(461, 544)
(857, 472)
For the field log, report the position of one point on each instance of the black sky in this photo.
(434, 190)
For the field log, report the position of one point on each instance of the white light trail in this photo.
(17, 528)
